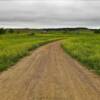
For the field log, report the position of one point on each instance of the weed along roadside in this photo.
(15, 47)
(86, 49)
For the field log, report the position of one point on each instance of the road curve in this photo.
(49, 74)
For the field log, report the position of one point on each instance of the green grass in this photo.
(14, 46)
(85, 48)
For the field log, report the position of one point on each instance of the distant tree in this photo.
(17, 31)
(97, 31)
(2, 31)
(32, 33)
(11, 31)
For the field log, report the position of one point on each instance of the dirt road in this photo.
(49, 74)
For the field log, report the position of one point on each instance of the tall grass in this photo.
(13, 47)
(86, 48)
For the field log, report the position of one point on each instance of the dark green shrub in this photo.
(32, 33)
(11, 31)
(97, 31)
(2, 31)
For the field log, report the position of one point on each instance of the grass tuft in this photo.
(85, 49)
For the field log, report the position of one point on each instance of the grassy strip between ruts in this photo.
(85, 49)
(14, 47)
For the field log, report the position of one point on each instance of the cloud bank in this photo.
(49, 13)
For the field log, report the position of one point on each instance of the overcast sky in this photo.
(49, 13)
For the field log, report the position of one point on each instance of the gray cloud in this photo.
(49, 13)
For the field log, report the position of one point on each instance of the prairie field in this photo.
(15, 46)
(85, 48)
(48, 72)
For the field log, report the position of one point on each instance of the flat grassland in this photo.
(85, 48)
(15, 46)
(49, 74)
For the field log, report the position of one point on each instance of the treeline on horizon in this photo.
(48, 30)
